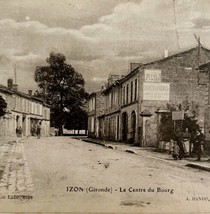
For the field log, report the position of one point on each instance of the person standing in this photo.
(38, 130)
(186, 136)
(17, 131)
(198, 141)
(178, 135)
(20, 131)
(175, 152)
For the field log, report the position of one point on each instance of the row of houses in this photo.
(23, 110)
(130, 108)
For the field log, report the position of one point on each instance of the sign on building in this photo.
(178, 115)
(156, 91)
(152, 75)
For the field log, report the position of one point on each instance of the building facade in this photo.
(143, 94)
(96, 103)
(25, 111)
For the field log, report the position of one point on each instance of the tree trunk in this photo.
(60, 131)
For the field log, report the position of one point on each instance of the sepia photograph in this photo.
(105, 106)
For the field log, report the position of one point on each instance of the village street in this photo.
(62, 174)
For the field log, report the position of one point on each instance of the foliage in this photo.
(3, 106)
(77, 119)
(61, 87)
(191, 111)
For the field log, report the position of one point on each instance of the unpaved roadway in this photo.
(70, 175)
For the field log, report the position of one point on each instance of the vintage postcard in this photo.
(104, 106)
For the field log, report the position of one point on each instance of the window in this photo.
(124, 91)
(92, 124)
(127, 92)
(131, 91)
(135, 90)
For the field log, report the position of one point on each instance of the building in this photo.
(23, 110)
(109, 121)
(135, 104)
(204, 70)
(96, 102)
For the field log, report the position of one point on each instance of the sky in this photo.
(98, 37)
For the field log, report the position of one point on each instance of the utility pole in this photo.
(15, 75)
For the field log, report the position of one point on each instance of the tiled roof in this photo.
(21, 94)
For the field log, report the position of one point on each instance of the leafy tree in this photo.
(3, 106)
(191, 111)
(77, 119)
(61, 87)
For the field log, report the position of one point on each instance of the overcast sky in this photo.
(98, 37)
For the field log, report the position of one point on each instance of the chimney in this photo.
(30, 92)
(10, 83)
(165, 53)
(15, 87)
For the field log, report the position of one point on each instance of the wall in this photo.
(180, 71)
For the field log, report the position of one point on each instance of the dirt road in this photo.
(74, 176)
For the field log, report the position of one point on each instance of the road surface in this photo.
(62, 174)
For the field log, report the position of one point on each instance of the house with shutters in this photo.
(134, 104)
(23, 110)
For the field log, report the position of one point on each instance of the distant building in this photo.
(23, 110)
(96, 104)
(132, 104)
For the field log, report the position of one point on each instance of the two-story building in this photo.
(23, 110)
(135, 117)
(96, 102)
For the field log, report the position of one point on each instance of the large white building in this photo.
(23, 110)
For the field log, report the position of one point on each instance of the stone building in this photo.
(204, 81)
(96, 102)
(109, 121)
(143, 94)
(170, 80)
(23, 110)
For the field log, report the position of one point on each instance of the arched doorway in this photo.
(133, 126)
(124, 126)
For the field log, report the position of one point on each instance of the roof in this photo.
(111, 86)
(5, 89)
(204, 65)
(94, 93)
(132, 73)
(174, 55)
(21, 94)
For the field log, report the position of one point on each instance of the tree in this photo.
(191, 112)
(61, 87)
(77, 119)
(3, 106)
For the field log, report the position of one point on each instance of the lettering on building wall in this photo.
(152, 75)
(156, 91)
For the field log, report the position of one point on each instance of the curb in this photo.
(198, 167)
(131, 151)
(110, 146)
(97, 143)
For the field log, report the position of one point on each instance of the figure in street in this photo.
(38, 130)
(198, 141)
(186, 141)
(20, 131)
(178, 135)
(175, 152)
(17, 131)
